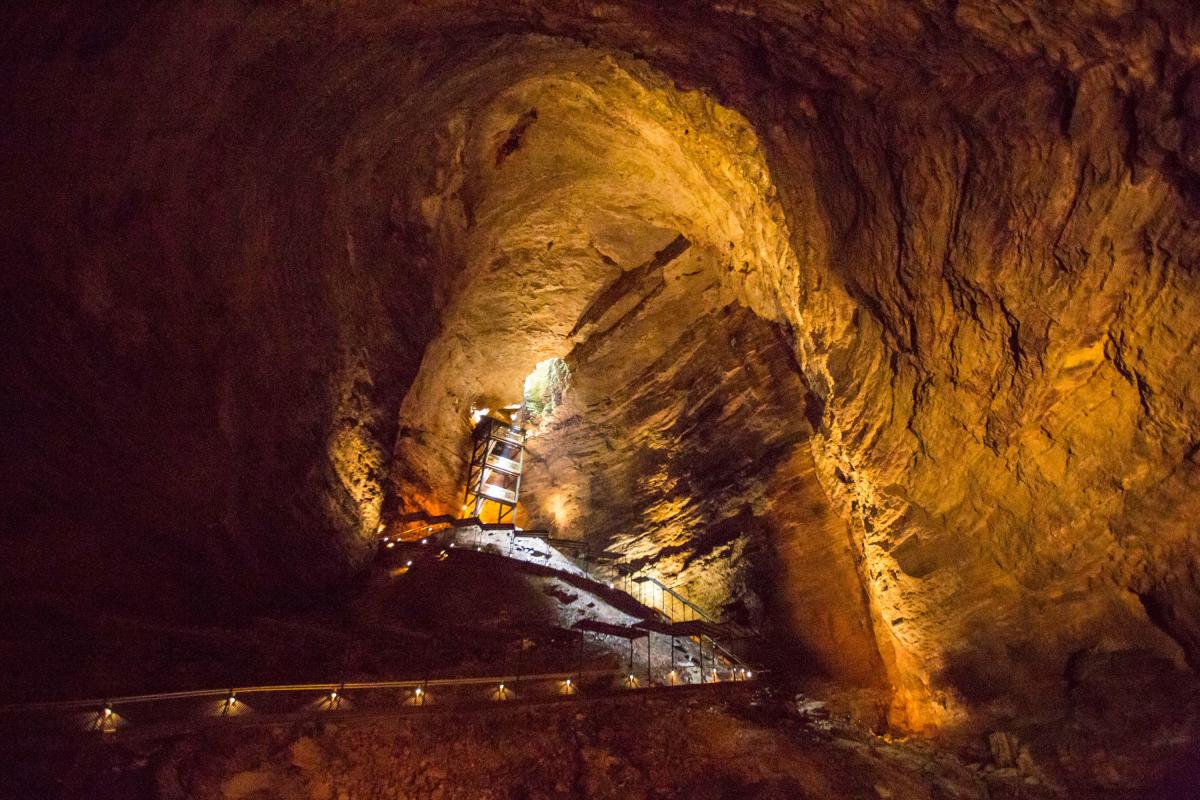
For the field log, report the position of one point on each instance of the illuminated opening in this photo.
(545, 388)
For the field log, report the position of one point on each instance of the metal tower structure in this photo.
(494, 477)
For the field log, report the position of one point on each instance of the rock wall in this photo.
(234, 237)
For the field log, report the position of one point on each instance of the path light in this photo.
(107, 710)
(391, 544)
(425, 541)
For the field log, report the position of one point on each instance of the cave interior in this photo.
(870, 326)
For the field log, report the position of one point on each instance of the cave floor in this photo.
(472, 614)
(630, 748)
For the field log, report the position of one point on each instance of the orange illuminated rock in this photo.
(882, 316)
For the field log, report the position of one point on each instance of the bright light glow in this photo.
(408, 563)
(333, 695)
(424, 541)
(108, 711)
(559, 509)
(544, 388)
(502, 687)
(419, 691)
(391, 545)
(476, 415)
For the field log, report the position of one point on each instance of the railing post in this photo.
(649, 679)
(579, 664)
(520, 657)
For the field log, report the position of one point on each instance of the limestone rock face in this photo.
(932, 338)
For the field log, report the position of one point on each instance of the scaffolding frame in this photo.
(482, 492)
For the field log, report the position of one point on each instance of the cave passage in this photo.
(868, 326)
(619, 240)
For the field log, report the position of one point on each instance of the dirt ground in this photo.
(628, 749)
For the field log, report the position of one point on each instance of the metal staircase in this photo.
(494, 475)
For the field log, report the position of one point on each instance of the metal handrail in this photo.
(683, 600)
(66, 705)
(717, 647)
(582, 564)
(510, 679)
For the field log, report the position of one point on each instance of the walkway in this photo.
(178, 712)
(602, 574)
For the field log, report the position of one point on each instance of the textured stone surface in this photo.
(596, 750)
(235, 237)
